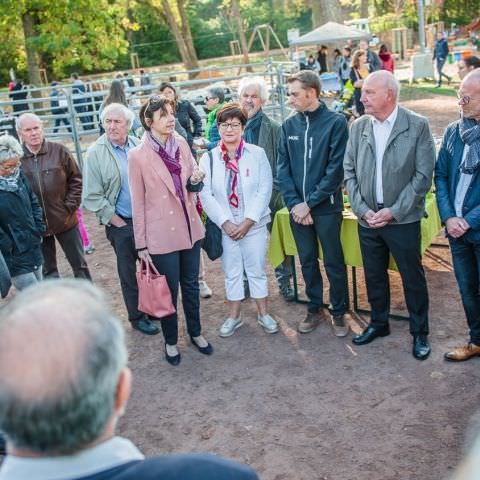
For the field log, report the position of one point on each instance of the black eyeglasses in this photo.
(465, 99)
(209, 98)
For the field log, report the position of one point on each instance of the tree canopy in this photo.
(92, 36)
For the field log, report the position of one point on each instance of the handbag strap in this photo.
(148, 267)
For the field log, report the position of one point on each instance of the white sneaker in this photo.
(205, 290)
(268, 323)
(229, 326)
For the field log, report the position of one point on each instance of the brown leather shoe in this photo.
(310, 323)
(339, 325)
(465, 352)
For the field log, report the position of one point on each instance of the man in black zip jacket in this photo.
(309, 175)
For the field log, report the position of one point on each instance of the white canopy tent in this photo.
(330, 32)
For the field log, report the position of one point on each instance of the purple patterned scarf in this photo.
(171, 157)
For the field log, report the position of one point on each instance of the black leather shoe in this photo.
(208, 350)
(421, 348)
(370, 334)
(174, 360)
(145, 326)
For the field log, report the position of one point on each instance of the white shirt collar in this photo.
(390, 120)
(106, 455)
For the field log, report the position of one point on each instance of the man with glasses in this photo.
(457, 184)
(265, 132)
(214, 101)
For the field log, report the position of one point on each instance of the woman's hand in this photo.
(229, 228)
(242, 229)
(144, 255)
(197, 176)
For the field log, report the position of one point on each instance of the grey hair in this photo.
(217, 92)
(9, 148)
(258, 83)
(118, 107)
(22, 117)
(390, 82)
(78, 407)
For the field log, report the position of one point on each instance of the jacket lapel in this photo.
(400, 125)
(264, 130)
(161, 170)
(368, 135)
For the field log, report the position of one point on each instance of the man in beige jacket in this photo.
(389, 165)
(106, 193)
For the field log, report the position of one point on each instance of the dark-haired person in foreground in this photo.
(62, 397)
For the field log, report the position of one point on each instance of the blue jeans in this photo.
(440, 64)
(466, 264)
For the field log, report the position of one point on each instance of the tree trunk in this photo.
(237, 20)
(187, 33)
(364, 8)
(33, 58)
(189, 62)
(324, 11)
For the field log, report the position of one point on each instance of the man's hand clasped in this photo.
(456, 226)
(301, 214)
(378, 219)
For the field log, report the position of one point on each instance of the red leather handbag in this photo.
(154, 297)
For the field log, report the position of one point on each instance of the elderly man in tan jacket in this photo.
(389, 165)
(106, 192)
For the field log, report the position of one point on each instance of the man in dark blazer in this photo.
(264, 131)
(457, 181)
(61, 397)
(388, 166)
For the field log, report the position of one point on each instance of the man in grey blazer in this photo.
(390, 205)
(265, 132)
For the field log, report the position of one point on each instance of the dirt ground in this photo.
(306, 406)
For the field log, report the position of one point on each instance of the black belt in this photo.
(380, 206)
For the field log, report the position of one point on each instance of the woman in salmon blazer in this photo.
(164, 179)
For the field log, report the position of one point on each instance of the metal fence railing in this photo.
(74, 118)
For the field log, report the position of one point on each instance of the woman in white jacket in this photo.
(235, 196)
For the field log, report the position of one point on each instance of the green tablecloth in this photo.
(282, 242)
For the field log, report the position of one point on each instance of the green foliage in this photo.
(84, 35)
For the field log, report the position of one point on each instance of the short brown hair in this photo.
(308, 79)
(230, 111)
(154, 103)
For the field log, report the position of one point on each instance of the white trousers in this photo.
(247, 254)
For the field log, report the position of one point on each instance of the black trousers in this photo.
(123, 243)
(181, 267)
(403, 242)
(72, 245)
(325, 228)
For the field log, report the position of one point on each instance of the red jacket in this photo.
(388, 63)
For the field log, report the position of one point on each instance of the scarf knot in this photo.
(170, 154)
(231, 164)
(470, 135)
